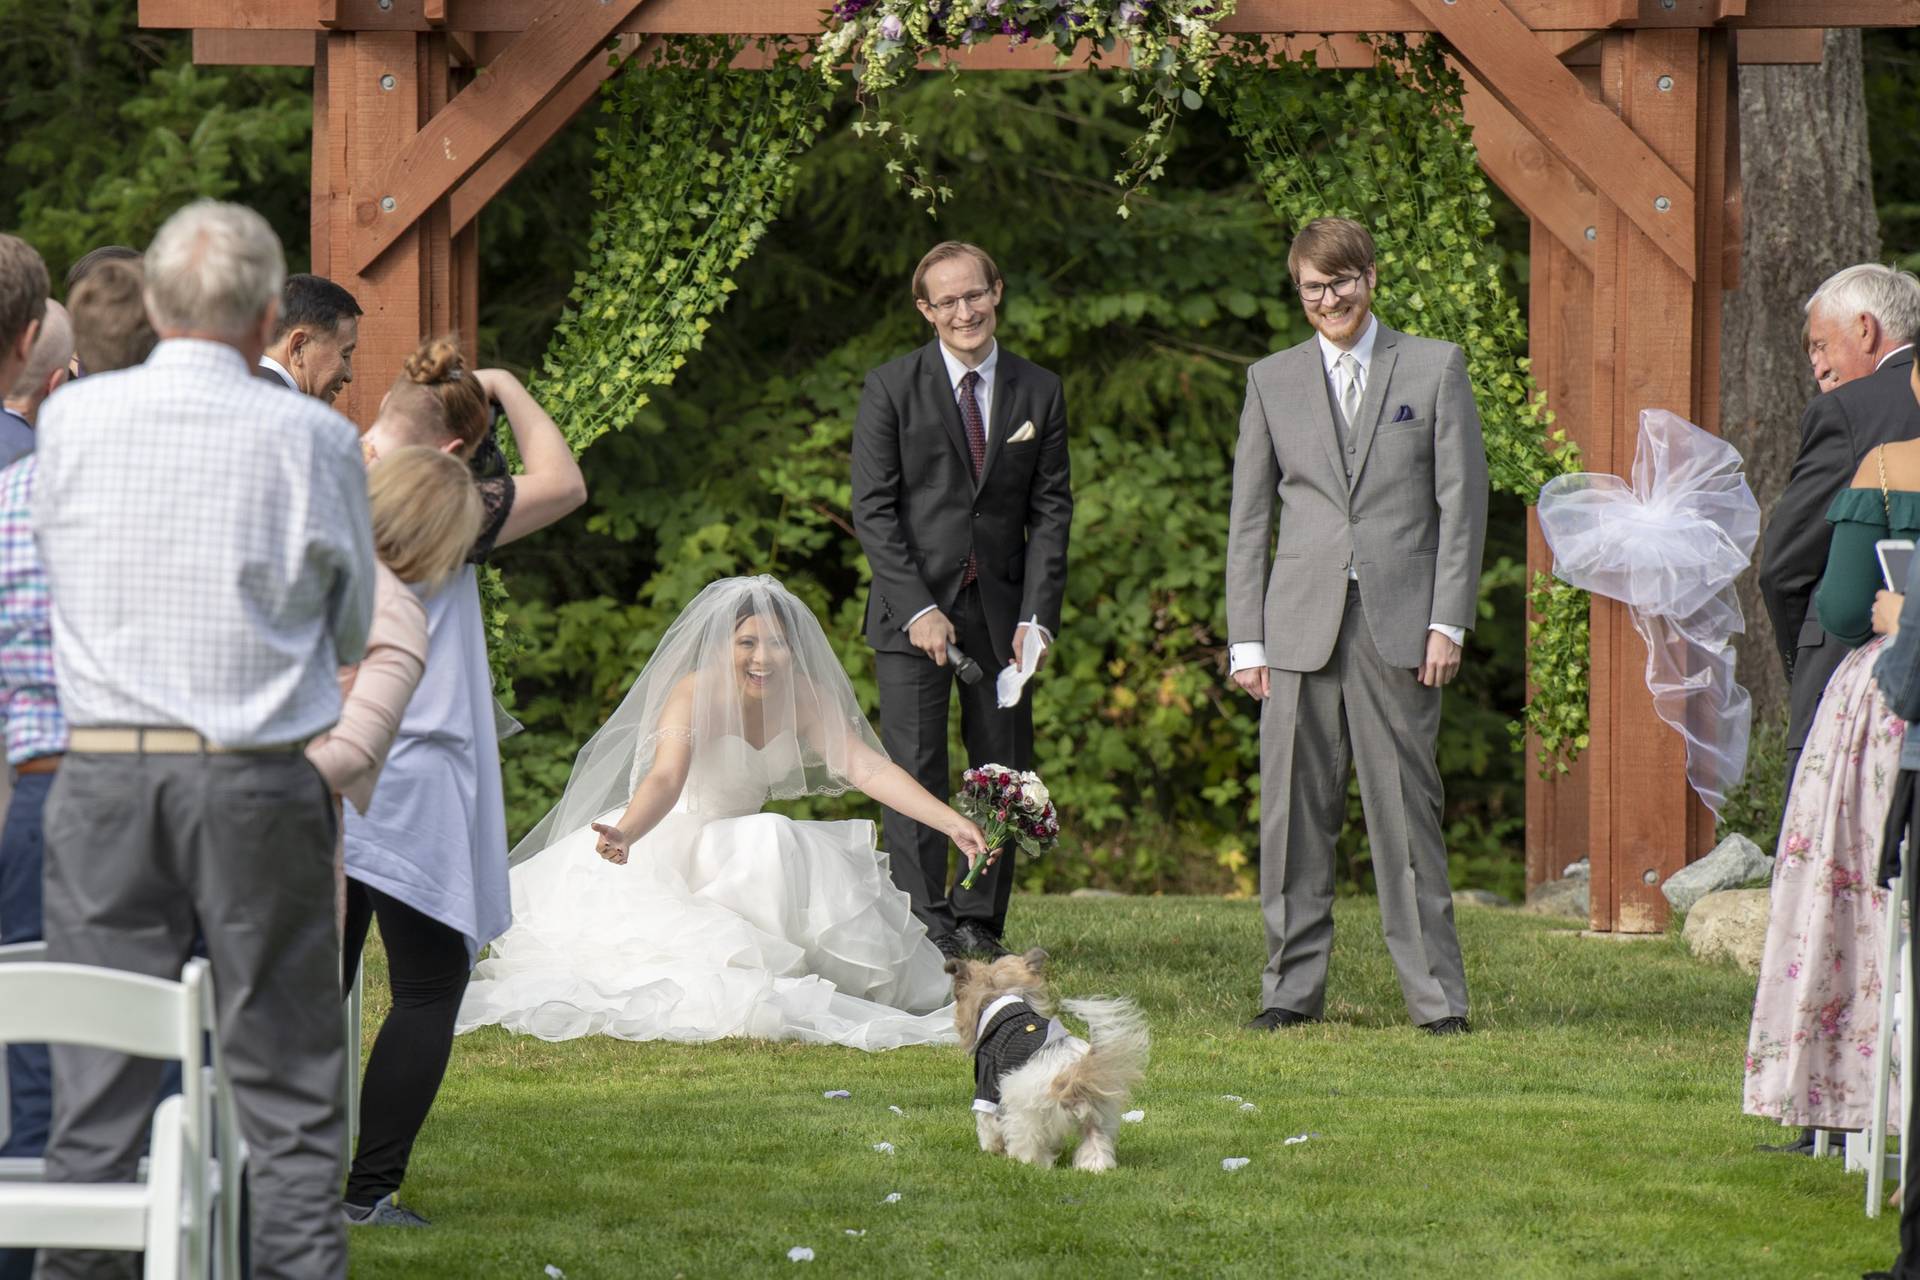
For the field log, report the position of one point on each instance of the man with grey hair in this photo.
(44, 371)
(1861, 325)
(209, 553)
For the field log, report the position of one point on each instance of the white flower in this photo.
(1036, 792)
(799, 1253)
(893, 1197)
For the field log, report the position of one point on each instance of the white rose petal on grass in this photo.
(799, 1253)
(836, 1093)
(884, 1148)
(897, 1111)
(555, 1273)
(1248, 1106)
(1231, 1097)
(1233, 1163)
(852, 1232)
(1299, 1138)
(1133, 1117)
(893, 1197)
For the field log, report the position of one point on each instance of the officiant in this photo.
(962, 501)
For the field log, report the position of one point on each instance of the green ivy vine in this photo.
(1390, 147)
(694, 163)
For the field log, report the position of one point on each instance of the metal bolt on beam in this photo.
(1651, 877)
(1662, 203)
(1593, 233)
(388, 203)
(1665, 83)
(385, 5)
(387, 82)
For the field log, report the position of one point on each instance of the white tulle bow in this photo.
(1669, 546)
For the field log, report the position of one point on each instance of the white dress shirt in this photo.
(1253, 653)
(206, 538)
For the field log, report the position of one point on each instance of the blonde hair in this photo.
(947, 251)
(438, 397)
(426, 513)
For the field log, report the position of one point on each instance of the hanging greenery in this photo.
(694, 163)
(1389, 146)
(1170, 47)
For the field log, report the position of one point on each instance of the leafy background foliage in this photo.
(740, 465)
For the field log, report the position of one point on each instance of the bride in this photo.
(657, 902)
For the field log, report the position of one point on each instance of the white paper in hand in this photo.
(1013, 679)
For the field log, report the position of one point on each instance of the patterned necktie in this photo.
(977, 445)
(1350, 391)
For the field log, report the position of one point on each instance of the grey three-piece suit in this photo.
(1379, 534)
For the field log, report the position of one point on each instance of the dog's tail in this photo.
(1115, 1061)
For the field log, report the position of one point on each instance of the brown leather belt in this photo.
(177, 742)
(39, 764)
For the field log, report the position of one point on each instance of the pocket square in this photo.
(1024, 434)
(1404, 414)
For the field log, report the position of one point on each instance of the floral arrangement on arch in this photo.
(1170, 53)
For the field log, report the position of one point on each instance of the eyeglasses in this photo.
(976, 300)
(1342, 286)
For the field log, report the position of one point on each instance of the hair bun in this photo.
(435, 361)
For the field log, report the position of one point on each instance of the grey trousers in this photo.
(143, 851)
(1383, 720)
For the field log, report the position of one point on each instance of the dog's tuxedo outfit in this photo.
(1011, 1032)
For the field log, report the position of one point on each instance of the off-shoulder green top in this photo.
(1861, 518)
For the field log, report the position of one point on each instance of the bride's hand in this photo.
(972, 843)
(612, 845)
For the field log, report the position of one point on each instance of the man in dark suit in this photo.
(1860, 330)
(962, 502)
(319, 329)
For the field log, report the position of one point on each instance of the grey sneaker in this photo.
(384, 1212)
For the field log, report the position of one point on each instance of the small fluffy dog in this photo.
(1035, 1085)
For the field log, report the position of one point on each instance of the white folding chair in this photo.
(355, 995)
(1895, 1009)
(167, 1215)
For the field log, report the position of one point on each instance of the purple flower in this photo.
(891, 28)
(1130, 13)
(846, 10)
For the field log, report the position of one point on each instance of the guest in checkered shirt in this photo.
(207, 545)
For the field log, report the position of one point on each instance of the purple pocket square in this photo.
(1405, 414)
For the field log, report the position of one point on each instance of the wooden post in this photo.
(1644, 821)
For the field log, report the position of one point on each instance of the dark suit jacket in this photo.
(918, 512)
(1837, 432)
(262, 371)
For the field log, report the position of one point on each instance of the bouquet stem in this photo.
(996, 841)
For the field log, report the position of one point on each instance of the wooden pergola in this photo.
(1611, 123)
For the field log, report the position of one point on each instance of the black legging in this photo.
(427, 973)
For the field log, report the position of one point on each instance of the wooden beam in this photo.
(1595, 143)
(218, 48)
(456, 141)
(1783, 47)
(802, 17)
(1544, 188)
(504, 165)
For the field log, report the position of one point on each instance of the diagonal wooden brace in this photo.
(1595, 143)
(1523, 167)
(564, 37)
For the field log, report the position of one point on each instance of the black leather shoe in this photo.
(1446, 1027)
(951, 946)
(1800, 1146)
(1276, 1018)
(979, 942)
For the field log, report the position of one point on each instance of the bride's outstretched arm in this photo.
(885, 781)
(653, 799)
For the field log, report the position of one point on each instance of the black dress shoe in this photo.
(950, 945)
(1800, 1146)
(1275, 1018)
(1446, 1027)
(979, 941)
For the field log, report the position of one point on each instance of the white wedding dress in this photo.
(725, 921)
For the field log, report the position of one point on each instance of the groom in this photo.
(1364, 444)
(961, 500)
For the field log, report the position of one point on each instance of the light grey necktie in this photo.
(1350, 389)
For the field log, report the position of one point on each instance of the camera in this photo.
(966, 668)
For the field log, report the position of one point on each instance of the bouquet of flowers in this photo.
(1011, 807)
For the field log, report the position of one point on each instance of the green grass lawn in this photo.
(1589, 1127)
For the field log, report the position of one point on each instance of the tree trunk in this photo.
(1808, 211)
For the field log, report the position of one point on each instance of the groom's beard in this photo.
(1347, 326)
